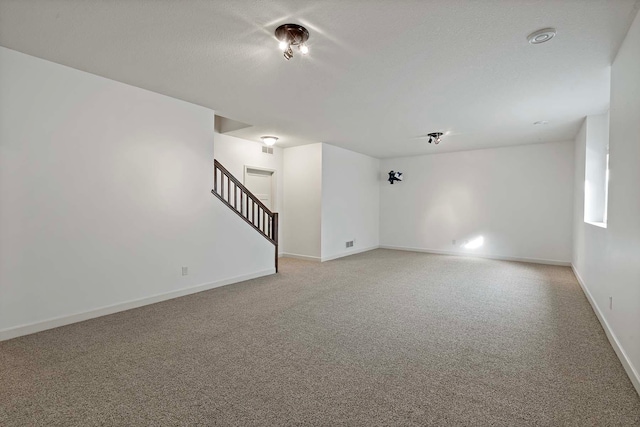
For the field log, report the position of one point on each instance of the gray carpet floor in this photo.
(379, 338)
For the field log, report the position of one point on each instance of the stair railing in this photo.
(237, 197)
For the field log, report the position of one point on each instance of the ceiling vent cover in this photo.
(267, 150)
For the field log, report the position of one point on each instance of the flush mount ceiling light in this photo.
(434, 137)
(541, 36)
(292, 35)
(269, 140)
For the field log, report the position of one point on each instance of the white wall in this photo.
(302, 201)
(518, 199)
(350, 202)
(607, 260)
(105, 196)
(596, 168)
(236, 153)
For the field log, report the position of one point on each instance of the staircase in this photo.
(236, 196)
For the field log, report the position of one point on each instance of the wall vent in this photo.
(350, 244)
(267, 150)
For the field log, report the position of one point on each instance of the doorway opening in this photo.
(261, 182)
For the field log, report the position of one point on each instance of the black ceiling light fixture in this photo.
(394, 176)
(292, 35)
(435, 137)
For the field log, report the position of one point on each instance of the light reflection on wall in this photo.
(474, 243)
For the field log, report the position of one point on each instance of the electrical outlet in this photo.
(185, 271)
(610, 303)
(453, 242)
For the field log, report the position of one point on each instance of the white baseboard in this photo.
(622, 355)
(56, 322)
(467, 254)
(348, 253)
(328, 258)
(303, 257)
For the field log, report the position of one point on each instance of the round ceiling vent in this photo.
(541, 36)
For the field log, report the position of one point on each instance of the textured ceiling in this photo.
(380, 73)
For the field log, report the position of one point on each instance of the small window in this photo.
(596, 184)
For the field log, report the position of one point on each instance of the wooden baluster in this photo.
(275, 235)
(235, 196)
(274, 229)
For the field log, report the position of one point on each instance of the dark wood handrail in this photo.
(266, 223)
(244, 189)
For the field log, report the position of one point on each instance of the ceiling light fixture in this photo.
(434, 137)
(541, 122)
(269, 140)
(292, 35)
(541, 36)
(394, 176)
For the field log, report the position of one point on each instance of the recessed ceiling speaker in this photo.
(541, 36)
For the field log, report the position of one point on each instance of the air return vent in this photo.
(350, 244)
(267, 150)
